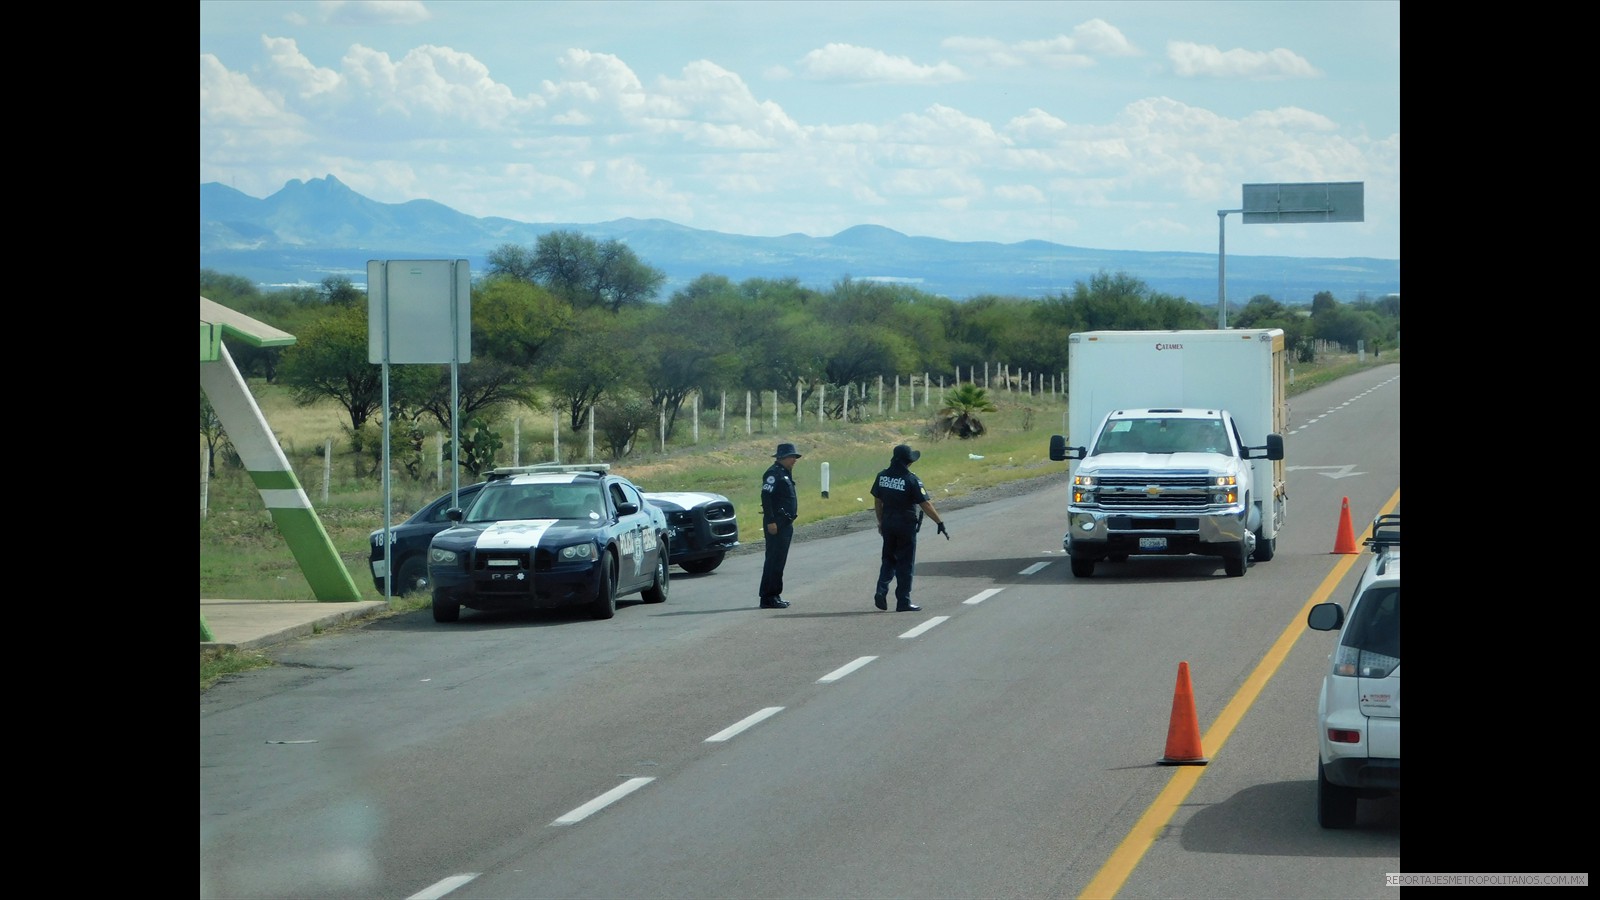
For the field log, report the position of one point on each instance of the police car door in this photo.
(636, 540)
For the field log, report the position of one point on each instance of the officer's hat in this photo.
(785, 451)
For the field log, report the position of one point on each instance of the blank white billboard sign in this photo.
(414, 309)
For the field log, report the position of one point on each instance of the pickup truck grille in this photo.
(1145, 493)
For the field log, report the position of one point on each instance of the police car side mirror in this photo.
(454, 513)
(627, 509)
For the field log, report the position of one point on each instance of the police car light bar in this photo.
(547, 468)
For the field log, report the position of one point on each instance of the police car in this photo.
(702, 528)
(548, 537)
(1358, 712)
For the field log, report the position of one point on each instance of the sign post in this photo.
(1326, 201)
(418, 311)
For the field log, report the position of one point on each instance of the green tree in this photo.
(211, 432)
(513, 261)
(479, 446)
(958, 415)
(587, 362)
(620, 419)
(621, 279)
(329, 362)
(337, 290)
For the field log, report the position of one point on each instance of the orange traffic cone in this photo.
(1345, 540)
(1183, 733)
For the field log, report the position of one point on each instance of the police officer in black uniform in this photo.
(779, 508)
(896, 496)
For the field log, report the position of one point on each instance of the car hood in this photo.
(1160, 462)
(680, 500)
(518, 534)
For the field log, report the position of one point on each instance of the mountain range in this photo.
(314, 229)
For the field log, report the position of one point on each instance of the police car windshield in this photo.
(509, 500)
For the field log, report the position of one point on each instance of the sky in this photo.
(1126, 125)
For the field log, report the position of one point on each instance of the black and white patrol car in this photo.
(702, 528)
(547, 537)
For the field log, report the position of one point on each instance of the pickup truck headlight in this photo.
(1225, 489)
(577, 552)
(441, 557)
(1084, 488)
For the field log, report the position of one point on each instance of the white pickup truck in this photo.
(1181, 451)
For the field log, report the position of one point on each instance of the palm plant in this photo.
(959, 413)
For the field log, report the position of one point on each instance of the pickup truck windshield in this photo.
(1163, 436)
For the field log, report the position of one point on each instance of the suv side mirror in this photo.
(1326, 617)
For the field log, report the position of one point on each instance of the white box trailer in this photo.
(1137, 501)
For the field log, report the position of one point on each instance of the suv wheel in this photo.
(1336, 804)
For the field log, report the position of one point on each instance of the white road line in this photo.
(845, 669)
(981, 596)
(748, 721)
(1033, 568)
(444, 886)
(925, 626)
(603, 801)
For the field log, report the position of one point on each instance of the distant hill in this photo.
(312, 229)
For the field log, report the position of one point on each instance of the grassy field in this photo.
(242, 555)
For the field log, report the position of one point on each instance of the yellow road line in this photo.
(1122, 861)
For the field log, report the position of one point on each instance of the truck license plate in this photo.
(1152, 543)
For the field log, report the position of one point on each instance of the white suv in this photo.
(1358, 714)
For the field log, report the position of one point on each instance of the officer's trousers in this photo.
(899, 558)
(777, 558)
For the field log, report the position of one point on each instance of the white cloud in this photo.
(862, 65)
(1204, 60)
(374, 12)
(1038, 134)
(1088, 42)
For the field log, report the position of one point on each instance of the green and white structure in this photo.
(247, 428)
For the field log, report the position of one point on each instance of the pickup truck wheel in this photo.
(1265, 548)
(444, 608)
(701, 566)
(1082, 567)
(605, 596)
(1234, 563)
